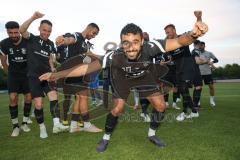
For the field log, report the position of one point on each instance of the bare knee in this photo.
(116, 111)
(27, 98)
(118, 107)
(13, 98)
(160, 107)
(38, 103)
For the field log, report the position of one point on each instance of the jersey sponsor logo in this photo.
(42, 53)
(19, 59)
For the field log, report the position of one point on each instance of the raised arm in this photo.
(24, 27)
(79, 70)
(199, 29)
(200, 61)
(52, 63)
(3, 59)
(61, 40)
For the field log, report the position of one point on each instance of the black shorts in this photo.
(145, 85)
(184, 80)
(39, 88)
(74, 85)
(171, 78)
(197, 80)
(18, 84)
(207, 79)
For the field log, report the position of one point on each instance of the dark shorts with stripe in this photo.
(18, 83)
(207, 79)
(39, 88)
(74, 85)
(197, 80)
(145, 85)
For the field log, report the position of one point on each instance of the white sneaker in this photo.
(174, 105)
(99, 103)
(193, 115)
(15, 132)
(212, 103)
(93, 103)
(75, 129)
(145, 117)
(181, 116)
(178, 100)
(29, 121)
(60, 128)
(92, 128)
(167, 104)
(43, 132)
(25, 128)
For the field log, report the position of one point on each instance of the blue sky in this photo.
(223, 38)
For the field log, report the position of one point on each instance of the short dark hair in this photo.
(46, 21)
(196, 42)
(11, 25)
(202, 43)
(94, 25)
(67, 35)
(131, 28)
(169, 25)
(145, 36)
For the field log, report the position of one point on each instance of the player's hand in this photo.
(47, 77)
(199, 29)
(210, 63)
(198, 14)
(53, 69)
(206, 61)
(59, 41)
(37, 15)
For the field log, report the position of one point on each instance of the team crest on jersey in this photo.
(11, 51)
(84, 45)
(24, 51)
(50, 47)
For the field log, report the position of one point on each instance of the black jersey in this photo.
(196, 53)
(147, 52)
(17, 55)
(39, 52)
(184, 63)
(167, 57)
(134, 68)
(62, 51)
(79, 47)
(141, 74)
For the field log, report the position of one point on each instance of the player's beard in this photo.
(132, 56)
(14, 39)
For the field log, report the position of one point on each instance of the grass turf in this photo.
(212, 136)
